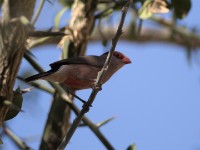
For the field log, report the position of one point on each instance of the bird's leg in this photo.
(69, 90)
(72, 93)
(80, 99)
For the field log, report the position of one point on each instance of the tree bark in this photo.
(13, 36)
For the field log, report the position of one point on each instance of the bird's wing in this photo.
(86, 60)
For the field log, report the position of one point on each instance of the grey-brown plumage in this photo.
(80, 72)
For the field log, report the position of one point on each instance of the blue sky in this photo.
(155, 100)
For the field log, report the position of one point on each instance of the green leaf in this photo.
(14, 106)
(159, 6)
(1, 1)
(181, 8)
(107, 13)
(151, 7)
(132, 147)
(58, 17)
(65, 2)
(104, 42)
(145, 12)
(1, 142)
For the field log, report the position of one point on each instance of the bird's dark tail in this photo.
(38, 76)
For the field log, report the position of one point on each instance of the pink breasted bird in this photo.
(80, 72)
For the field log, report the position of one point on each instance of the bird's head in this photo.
(119, 56)
(118, 60)
(122, 57)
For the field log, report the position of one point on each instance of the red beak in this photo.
(126, 60)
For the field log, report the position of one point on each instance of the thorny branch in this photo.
(97, 85)
(65, 97)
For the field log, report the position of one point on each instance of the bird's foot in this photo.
(86, 106)
(95, 86)
(77, 97)
(80, 99)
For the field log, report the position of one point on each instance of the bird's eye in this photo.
(118, 55)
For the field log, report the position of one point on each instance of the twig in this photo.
(38, 34)
(21, 144)
(65, 97)
(97, 86)
(38, 12)
(139, 27)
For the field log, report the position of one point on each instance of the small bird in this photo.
(80, 72)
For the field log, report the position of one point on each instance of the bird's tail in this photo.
(38, 76)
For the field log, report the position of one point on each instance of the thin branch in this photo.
(46, 34)
(139, 27)
(21, 144)
(38, 12)
(97, 87)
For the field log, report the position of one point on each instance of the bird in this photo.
(80, 72)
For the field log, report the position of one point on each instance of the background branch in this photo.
(21, 144)
(38, 12)
(183, 37)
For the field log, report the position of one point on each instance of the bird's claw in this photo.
(80, 99)
(95, 86)
(98, 87)
(85, 102)
(86, 106)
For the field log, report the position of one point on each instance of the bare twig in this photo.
(139, 27)
(38, 34)
(38, 12)
(21, 144)
(97, 85)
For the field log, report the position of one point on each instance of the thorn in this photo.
(26, 90)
